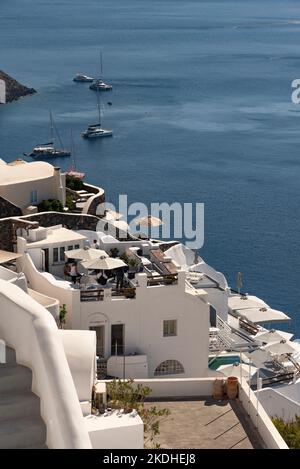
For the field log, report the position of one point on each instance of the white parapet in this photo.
(115, 431)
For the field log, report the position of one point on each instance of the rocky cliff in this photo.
(14, 89)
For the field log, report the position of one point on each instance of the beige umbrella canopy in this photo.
(280, 348)
(85, 254)
(149, 221)
(236, 369)
(104, 263)
(112, 215)
(7, 256)
(273, 335)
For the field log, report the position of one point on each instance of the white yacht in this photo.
(100, 85)
(49, 150)
(83, 78)
(96, 130)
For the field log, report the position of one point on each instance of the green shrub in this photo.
(70, 202)
(128, 396)
(50, 205)
(74, 183)
(290, 431)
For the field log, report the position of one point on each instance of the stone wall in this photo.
(6, 235)
(68, 220)
(8, 209)
(72, 221)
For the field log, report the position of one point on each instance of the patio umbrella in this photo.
(85, 254)
(149, 221)
(235, 369)
(280, 348)
(272, 336)
(112, 215)
(104, 263)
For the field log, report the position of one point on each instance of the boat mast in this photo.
(99, 108)
(51, 127)
(101, 65)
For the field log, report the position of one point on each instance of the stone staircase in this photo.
(21, 425)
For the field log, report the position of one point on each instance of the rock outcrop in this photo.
(14, 89)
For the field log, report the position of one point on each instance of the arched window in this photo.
(169, 367)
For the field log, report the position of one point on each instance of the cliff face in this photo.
(14, 89)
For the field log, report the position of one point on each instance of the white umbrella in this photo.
(280, 348)
(273, 335)
(104, 263)
(85, 254)
(236, 369)
(149, 221)
(112, 215)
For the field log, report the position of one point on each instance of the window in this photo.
(55, 254)
(33, 197)
(170, 327)
(70, 248)
(62, 253)
(169, 367)
(76, 246)
(117, 339)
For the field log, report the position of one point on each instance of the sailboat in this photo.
(99, 84)
(95, 130)
(72, 171)
(48, 150)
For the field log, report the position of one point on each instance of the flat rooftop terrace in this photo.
(206, 423)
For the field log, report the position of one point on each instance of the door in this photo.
(100, 346)
(117, 339)
(46, 251)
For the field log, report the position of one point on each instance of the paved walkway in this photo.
(206, 424)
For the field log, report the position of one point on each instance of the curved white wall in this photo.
(81, 360)
(28, 328)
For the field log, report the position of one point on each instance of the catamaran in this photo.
(99, 84)
(48, 150)
(95, 130)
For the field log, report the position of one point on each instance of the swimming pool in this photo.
(223, 360)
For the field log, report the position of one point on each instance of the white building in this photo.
(150, 321)
(27, 184)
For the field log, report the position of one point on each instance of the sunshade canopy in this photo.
(280, 348)
(149, 221)
(262, 314)
(85, 254)
(273, 335)
(104, 263)
(6, 256)
(236, 369)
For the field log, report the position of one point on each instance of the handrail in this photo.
(92, 295)
(165, 279)
(28, 328)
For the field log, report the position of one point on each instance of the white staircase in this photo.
(21, 425)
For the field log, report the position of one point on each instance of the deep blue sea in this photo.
(201, 112)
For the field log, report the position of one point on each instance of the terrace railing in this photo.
(92, 295)
(167, 279)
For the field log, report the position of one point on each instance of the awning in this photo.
(238, 302)
(262, 314)
(6, 256)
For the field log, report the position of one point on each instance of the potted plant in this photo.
(133, 265)
(114, 252)
(62, 316)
